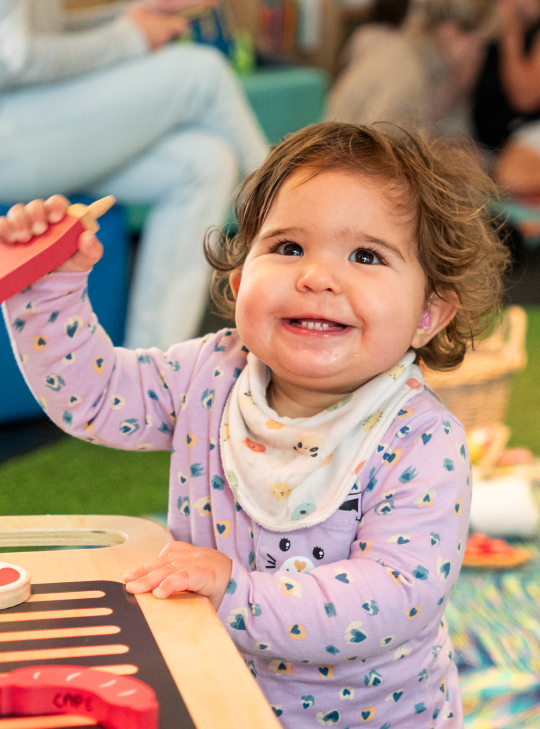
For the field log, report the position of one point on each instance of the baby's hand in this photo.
(22, 222)
(182, 567)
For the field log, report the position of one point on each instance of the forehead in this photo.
(346, 195)
(391, 191)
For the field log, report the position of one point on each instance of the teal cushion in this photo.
(283, 99)
(286, 99)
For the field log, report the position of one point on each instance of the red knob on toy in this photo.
(14, 585)
(23, 263)
(115, 702)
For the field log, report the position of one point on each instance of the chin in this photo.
(319, 378)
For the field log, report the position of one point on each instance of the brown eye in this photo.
(365, 256)
(290, 249)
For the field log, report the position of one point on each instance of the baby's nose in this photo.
(319, 276)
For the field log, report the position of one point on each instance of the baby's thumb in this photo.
(89, 253)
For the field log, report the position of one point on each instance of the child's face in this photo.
(331, 292)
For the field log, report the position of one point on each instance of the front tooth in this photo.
(311, 325)
(318, 325)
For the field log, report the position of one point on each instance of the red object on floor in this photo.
(484, 551)
(115, 702)
(481, 544)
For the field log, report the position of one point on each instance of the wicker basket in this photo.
(477, 392)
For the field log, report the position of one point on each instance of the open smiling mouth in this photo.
(319, 325)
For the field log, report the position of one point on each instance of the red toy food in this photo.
(23, 263)
(483, 551)
(115, 702)
(515, 456)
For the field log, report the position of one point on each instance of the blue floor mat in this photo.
(494, 621)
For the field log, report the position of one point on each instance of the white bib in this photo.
(292, 473)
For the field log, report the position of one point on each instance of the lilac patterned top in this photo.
(342, 623)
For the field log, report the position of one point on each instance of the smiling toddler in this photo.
(319, 492)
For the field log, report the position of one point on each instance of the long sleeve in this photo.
(113, 396)
(27, 57)
(406, 554)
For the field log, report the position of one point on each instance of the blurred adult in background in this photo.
(386, 18)
(421, 76)
(117, 109)
(507, 99)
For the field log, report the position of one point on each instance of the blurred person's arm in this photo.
(463, 54)
(520, 72)
(388, 84)
(30, 58)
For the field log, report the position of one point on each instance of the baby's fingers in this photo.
(149, 581)
(24, 221)
(32, 219)
(209, 580)
(168, 579)
(56, 207)
(19, 223)
(5, 231)
(180, 581)
(144, 570)
(36, 217)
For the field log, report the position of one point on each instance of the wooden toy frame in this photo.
(210, 674)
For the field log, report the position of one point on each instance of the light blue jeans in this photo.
(171, 128)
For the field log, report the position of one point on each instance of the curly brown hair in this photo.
(458, 241)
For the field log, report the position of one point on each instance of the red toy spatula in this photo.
(23, 263)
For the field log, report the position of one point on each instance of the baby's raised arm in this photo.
(88, 387)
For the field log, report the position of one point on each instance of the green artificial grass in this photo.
(523, 416)
(74, 477)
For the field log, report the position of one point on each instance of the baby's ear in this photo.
(438, 313)
(234, 281)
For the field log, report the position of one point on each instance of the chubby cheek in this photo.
(247, 325)
(253, 319)
(259, 298)
(391, 326)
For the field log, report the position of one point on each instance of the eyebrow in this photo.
(358, 236)
(280, 231)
